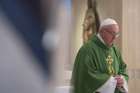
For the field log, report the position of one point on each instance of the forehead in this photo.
(112, 28)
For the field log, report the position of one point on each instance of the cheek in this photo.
(108, 39)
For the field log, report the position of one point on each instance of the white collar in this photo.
(101, 39)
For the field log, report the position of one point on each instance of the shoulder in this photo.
(85, 48)
(88, 46)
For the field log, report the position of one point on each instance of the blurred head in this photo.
(87, 27)
(109, 31)
(88, 23)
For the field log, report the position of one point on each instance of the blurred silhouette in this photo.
(91, 20)
(28, 19)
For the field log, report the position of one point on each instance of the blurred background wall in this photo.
(130, 42)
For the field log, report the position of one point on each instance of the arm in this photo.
(122, 70)
(122, 65)
(122, 77)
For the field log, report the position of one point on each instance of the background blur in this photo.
(39, 40)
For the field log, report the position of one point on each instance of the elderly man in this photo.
(99, 67)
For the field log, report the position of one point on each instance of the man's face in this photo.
(110, 33)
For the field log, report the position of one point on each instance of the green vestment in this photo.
(91, 69)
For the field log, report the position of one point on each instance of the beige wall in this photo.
(130, 42)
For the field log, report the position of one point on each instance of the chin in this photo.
(110, 44)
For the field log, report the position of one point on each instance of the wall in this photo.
(130, 41)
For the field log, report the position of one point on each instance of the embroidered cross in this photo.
(109, 60)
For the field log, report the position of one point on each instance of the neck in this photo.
(102, 40)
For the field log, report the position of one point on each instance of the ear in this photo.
(101, 31)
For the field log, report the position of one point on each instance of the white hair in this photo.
(108, 21)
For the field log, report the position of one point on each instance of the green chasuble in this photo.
(94, 64)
